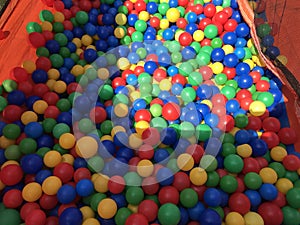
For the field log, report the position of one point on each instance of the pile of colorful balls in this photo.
(145, 112)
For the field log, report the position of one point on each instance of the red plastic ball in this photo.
(183, 2)
(226, 122)
(150, 185)
(27, 208)
(196, 151)
(52, 220)
(250, 165)
(198, 9)
(181, 181)
(228, 10)
(181, 23)
(26, 87)
(82, 173)
(12, 199)
(287, 135)
(40, 89)
(64, 171)
(262, 162)
(149, 209)
(12, 113)
(67, 13)
(185, 39)
(255, 76)
(118, 81)
(36, 217)
(129, 5)
(142, 115)
(157, 101)
(151, 136)
(209, 10)
(154, 22)
(241, 185)
(242, 94)
(239, 202)
(205, 42)
(136, 219)
(171, 111)
(230, 25)
(245, 103)
(280, 200)
(168, 194)
(116, 184)
(85, 5)
(19, 74)
(291, 162)
(178, 78)
(48, 35)
(51, 98)
(271, 139)
(159, 74)
(58, 6)
(74, 87)
(138, 70)
(51, 112)
(98, 114)
(36, 39)
(146, 151)
(229, 72)
(152, 57)
(262, 85)
(219, 99)
(68, 25)
(254, 123)
(271, 124)
(43, 63)
(271, 213)
(48, 202)
(11, 174)
(199, 190)
(193, 223)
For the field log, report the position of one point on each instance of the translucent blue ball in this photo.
(194, 117)
(165, 176)
(161, 156)
(71, 216)
(164, 59)
(211, 120)
(66, 194)
(188, 53)
(133, 57)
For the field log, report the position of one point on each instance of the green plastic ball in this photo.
(122, 215)
(291, 216)
(95, 164)
(28, 146)
(213, 179)
(228, 91)
(241, 121)
(195, 78)
(211, 31)
(9, 85)
(12, 152)
(188, 94)
(11, 131)
(106, 92)
(279, 169)
(86, 125)
(60, 129)
(203, 132)
(82, 17)
(46, 15)
(233, 163)
(57, 60)
(132, 179)
(169, 214)
(10, 217)
(228, 184)
(134, 195)
(188, 197)
(96, 198)
(3, 103)
(252, 180)
(209, 163)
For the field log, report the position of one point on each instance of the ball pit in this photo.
(142, 112)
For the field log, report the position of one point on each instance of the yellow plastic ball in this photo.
(117, 129)
(133, 1)
(29, 66)
(94, 177)
(268, 175)
(5, 142)
(123, 63)
(217, 67)
(107, 208)
(141, 126)
(284, 185)
(77, 70)
(207, 102)
(165, 85)
(91, 221)
(79, 51)
(2, 186)
(67, 140)
(228, 49)
(173, 15)
(244, 150)
(234, 218)
(89, 47)
(87, 212)
(219, 8)
(135, 141)
(133, 208)
(198, 176)
(198, 35)
(58, 17)
(107, 138)
(283, 59)
(9, 162)
(250, 63)
(86, 147)
(51, 185)
(32, 192)
(134, 95)
(60, 87)
(40, 106)
(177, 34)
(67, 158)
(53, 74)
(145, 168)
(250, 43)
(86, 40)
(121, 110)
(257, 108)
(119, 32)
(52, 158)
(121, 19)
(50, 84)
(29, 116)
(101, 183)
(164, 24)
(144, 15)
(185, 162)
(278, 153)
(253, 218)
(103, 73)
(46, 26)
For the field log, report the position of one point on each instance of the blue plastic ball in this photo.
(66, 194)
(242, 137)
(161, 156)
(188, 53)
(245, 81)
(165, 176)
(168, 34)
(90, 55)
(52, 46)
(217, 54)
(229, 38)
(31, 163)
(259, 147)
(150, 67)
(212, 197)
(242, 69)
(268, 192)
(230, 60)
(16, 97)
(168, 136)
(39, 76)
(204, 91)
(33, 130)
(232, 106)
(210, 217)
(152, 7)
(254, 197)
(195, 211)
(211, 120)
(84, 187)
(242, 30)
(71, 216)
(42, 175)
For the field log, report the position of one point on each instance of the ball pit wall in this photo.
(14, 48)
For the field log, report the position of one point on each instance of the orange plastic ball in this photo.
(52, 158)
(67, 140)
(40, 106)
(29, 116)
(185, 162)
(145, 168)
(101, 183)
(107, 208)
(32, 192)
(86, 147)
(51, 185)
(60, 87)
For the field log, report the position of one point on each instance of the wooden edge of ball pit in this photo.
(15, 49)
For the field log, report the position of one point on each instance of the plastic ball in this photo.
(168, 214)
(10, 216)
(287, 135)
(11, 174)
(271, 213)
(234, 218)
(107, 208)
(210, 217)
(32, 192)
(136, 218)
(257, 108)
(12, 198)
(71, 216)
(66, 194)
(239, 202)
(148, 208)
